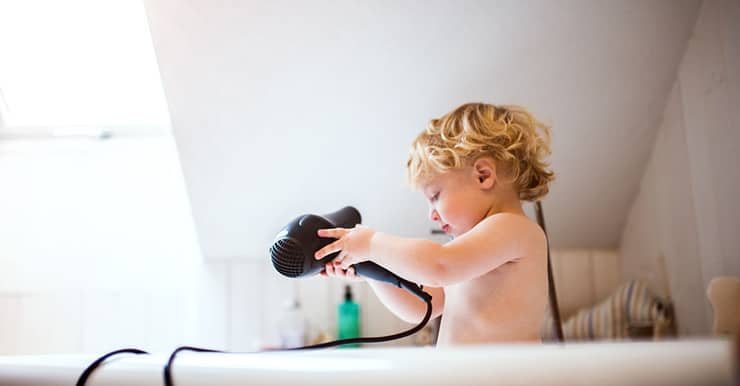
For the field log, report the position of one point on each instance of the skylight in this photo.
(76, 65)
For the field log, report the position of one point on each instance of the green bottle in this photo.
(348, 318)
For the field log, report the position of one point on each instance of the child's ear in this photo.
(485, 172)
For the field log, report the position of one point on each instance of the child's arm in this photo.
(406, 306)
(400, 302)
(493, 242)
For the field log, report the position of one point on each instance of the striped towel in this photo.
(631, 305)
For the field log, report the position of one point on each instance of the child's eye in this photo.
(435, 197)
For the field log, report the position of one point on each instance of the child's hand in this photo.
(353, 245)
(332, 270)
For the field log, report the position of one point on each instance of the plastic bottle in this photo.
(348, 318)
(292, 326)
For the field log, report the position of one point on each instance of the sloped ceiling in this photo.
(287, 107)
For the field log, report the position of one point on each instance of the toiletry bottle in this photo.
(348, 318)
(292, 326)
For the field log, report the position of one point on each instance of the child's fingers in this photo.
(329, 249)
(341, 272)
(329, 269)
(351, 272)
(338, 272)
(333, 232)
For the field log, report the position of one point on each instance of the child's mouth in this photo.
(446, 228)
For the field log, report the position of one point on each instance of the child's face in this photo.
(455, 200)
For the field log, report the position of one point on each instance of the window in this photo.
(78, 67)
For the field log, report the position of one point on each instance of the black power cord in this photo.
(171, 361)
(89, 370)
(167, 374)
(339, 342)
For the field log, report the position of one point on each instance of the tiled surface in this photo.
(245, 302)
(49, 322)
(9, 320)
(584, 277)
(233, 304)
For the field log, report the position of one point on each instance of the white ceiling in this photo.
(281, 108)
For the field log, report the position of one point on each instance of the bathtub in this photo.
(681, 362)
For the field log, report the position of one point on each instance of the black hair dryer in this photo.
(293, 250)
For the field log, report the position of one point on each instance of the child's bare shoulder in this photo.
(507, 220)
(516, 227)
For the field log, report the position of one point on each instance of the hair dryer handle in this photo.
(373, 271)
(346, 217)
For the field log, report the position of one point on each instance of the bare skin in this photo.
(490, 282)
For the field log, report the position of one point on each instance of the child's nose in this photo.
(433, 214)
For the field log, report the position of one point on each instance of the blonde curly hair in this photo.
(508, 134)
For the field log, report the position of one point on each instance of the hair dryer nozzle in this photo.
(287, 257)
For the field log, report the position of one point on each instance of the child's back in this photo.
(507, 303)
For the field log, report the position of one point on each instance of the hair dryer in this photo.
(294, 247)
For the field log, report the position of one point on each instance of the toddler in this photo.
(475, 166)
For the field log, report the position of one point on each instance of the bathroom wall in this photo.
(682, 227)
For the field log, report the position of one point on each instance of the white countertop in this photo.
(695, 362)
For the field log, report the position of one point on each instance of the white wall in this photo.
(98, 252)
(96, 244)
(93, 214)
(253, 86)
(684, 222)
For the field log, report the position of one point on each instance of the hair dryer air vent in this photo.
(287, 257)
